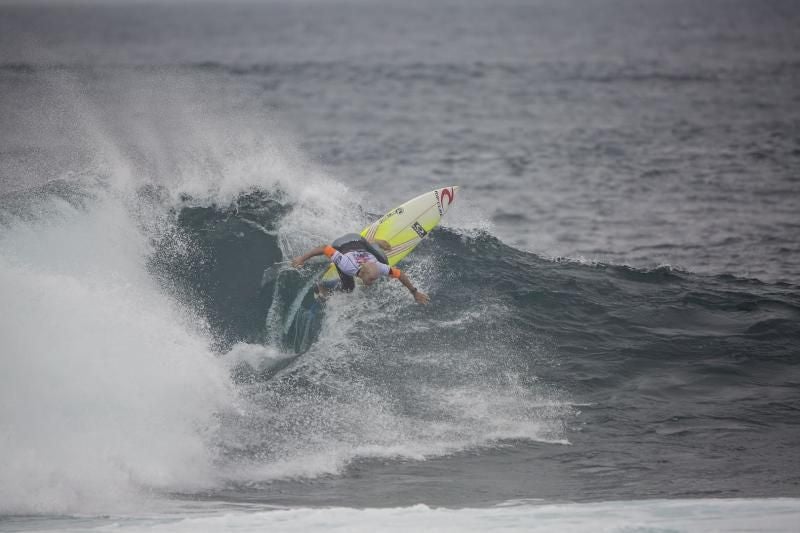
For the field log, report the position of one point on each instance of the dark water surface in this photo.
(615, 295)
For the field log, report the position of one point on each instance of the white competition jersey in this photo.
(350, 262)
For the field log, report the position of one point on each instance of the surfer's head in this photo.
(369, 273)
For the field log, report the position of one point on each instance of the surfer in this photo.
(355, 257)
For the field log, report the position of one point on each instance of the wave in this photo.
(557, 296)
(165, 326)
(510, 328)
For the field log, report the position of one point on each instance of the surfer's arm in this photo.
(325, 249)
(398, 274)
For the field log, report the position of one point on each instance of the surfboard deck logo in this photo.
(449, 193)
(419, 229)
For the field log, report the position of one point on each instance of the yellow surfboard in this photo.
(406, 225)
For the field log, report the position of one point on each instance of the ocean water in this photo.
(613, 335)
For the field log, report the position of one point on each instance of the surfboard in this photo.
(406, 225)
(403, 228)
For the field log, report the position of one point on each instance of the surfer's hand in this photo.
(421, 298)
(298, 262)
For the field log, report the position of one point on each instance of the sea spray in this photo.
(107, 387)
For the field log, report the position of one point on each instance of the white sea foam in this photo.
(778, 515)
(105, 386)
(361, 402)
(256, 356)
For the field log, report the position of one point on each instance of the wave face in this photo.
(166, 326)
(379, 376)
(596, 360)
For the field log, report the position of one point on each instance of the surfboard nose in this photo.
(447, 196)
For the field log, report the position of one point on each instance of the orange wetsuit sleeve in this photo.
(394, 272)
(329, 251)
